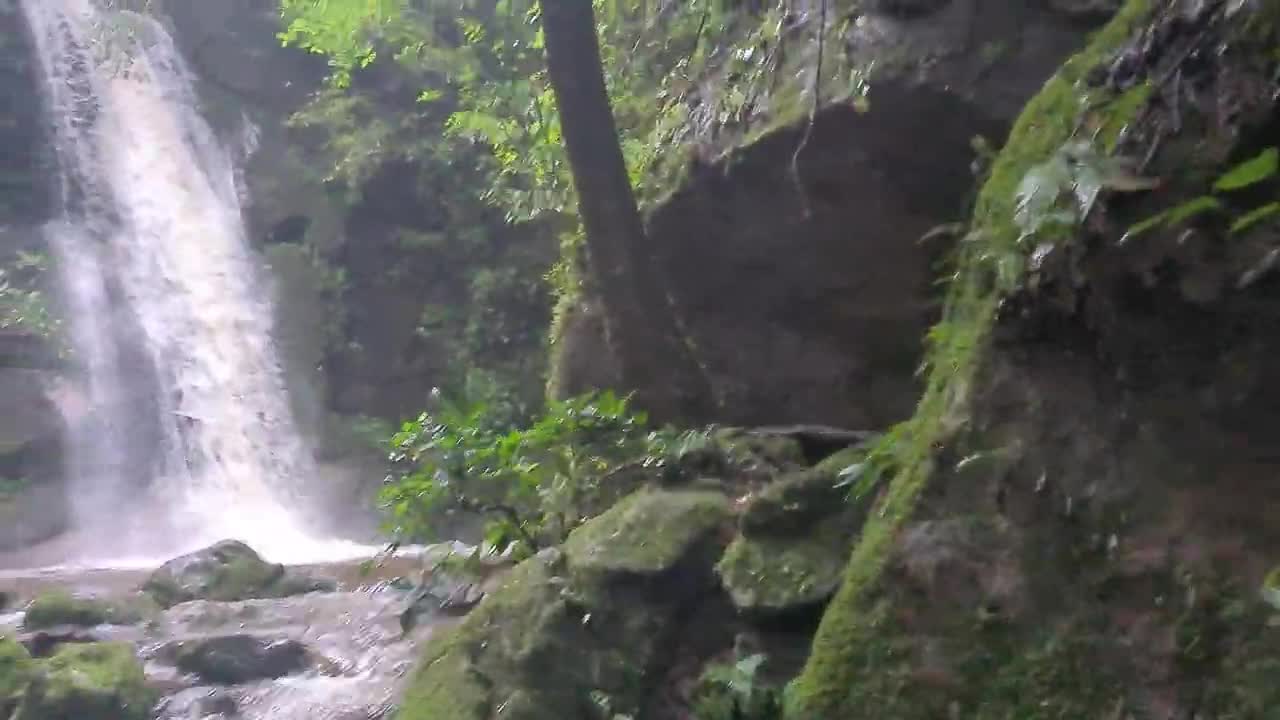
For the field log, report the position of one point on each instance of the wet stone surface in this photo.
(339, 655)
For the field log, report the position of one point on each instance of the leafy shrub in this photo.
(734, 692)
(532, 485)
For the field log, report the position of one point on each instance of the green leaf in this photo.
(1250, 172)
(1173, 216)
(1187, 210)
(749, 666)
(1141, 228)
(1039, 192)
(1255, 216)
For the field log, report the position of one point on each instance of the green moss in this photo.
(1058, 678)
(971, 669)
(1121, 112)
(1226, 647)
(1048, 121)
(955, 348)
(243, 577)
(792, 503)
(774, 573)
(16, 671)
(744, 446)
(648, 532)
(449, 681)
(531, 649)
(566, 283)
(558, 630)
(96, 681)
(61, 608)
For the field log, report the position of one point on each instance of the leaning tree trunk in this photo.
(639, 322)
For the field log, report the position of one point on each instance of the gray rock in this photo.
(235, 659)
(200, 703)
(227, 571)
(218, 702)
(445, 587)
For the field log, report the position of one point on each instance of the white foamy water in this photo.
(189, 438)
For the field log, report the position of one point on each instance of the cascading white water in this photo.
(171, 324)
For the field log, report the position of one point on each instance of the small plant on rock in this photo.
(735, 692)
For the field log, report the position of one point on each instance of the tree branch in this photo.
(506, 511)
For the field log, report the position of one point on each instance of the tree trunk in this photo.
(654, 360)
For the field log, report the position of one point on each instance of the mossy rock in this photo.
(16, 671)
(526, 649)
(566, 626)
(228, 571)
(97, 681)
(646, 533)
(776, 574)
(793, 503)
(778, 450)
(852, 652)
(55, 608)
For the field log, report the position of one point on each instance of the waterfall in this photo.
(189, 438)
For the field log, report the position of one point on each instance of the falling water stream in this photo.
(188, 437)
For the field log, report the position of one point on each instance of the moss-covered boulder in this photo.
(774, 449)
(99, 681)
(647, 533)
(571, 632)
(227, 571)
(774, 574)
(16, 670)
(794, 539)
(56, 608)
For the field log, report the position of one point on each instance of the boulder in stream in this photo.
(227, 571)
(236, 659)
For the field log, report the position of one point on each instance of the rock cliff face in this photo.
(31, 427)
(796, 263)
(1092, 540)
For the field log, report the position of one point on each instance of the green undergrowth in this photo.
(987, 265)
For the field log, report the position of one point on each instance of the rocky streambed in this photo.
(218, 634)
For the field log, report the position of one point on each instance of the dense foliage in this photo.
(678, 74)
(532, 485)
